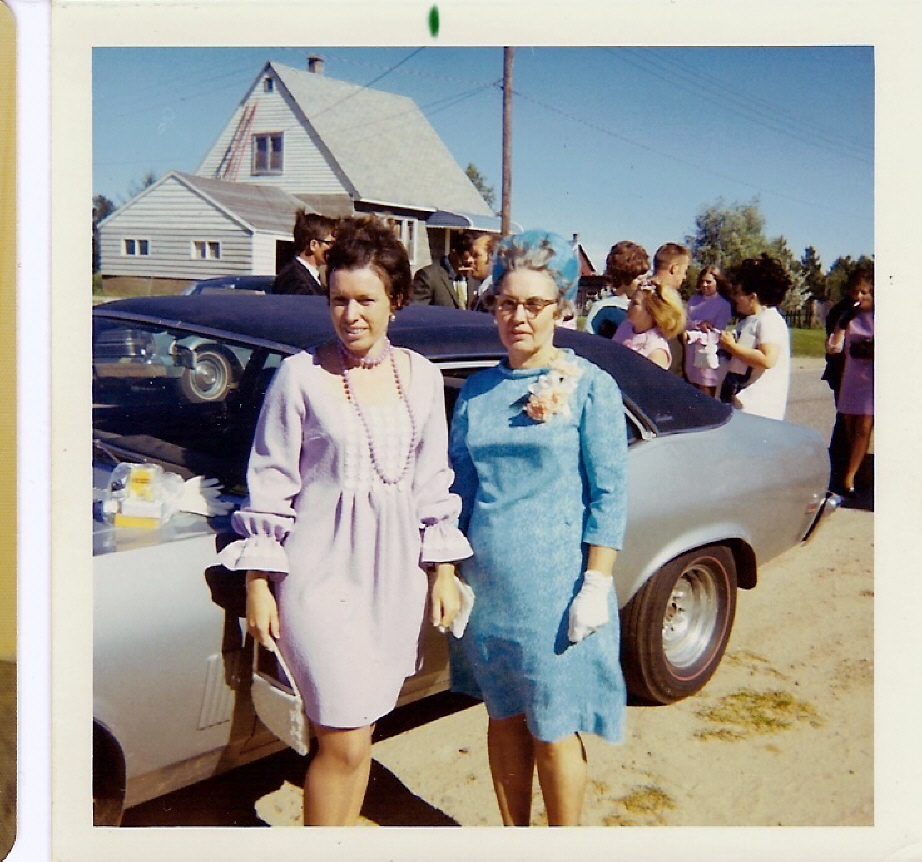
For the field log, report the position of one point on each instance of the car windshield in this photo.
(186, 401)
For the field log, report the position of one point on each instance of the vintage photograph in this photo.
(481, 436)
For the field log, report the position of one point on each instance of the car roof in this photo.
(294, 323)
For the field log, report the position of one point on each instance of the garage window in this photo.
(206, 250)
(136, 247)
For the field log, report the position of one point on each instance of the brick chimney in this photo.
(315, 64)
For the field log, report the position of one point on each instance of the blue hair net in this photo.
(540, 250)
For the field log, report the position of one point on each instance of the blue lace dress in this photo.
(534, 495)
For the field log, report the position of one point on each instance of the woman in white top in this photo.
(760, 353)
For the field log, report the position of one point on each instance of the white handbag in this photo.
(278, 703)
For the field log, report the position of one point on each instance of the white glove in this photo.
(459, 623)
(201, 496)
(589, 609)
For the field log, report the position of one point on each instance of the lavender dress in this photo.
(856, 395)
(346, 549)
(717, 310)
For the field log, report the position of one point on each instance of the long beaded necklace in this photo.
(347, 358)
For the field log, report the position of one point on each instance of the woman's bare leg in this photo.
(858, 429)
(562, 773)
(337, 777)
(512, 765)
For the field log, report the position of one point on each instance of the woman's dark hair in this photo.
(625, 262)
(863, 273)
(368, 241)
(764, 276)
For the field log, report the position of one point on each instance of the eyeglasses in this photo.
(327, 242)
(509, 305)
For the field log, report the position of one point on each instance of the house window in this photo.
(268, 85)
(206, 250)
(267, 154)
(136, 247)
(405, 230)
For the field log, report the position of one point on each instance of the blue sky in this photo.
(608, 143)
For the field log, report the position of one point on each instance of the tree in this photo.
(480, 183)
(102, 207)
(727, 234)
(812, 271)
(138, 186)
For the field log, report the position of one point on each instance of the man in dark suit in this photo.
(313, 236)
(444, 282)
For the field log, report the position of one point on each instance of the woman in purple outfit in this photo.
(854, 335)
(708, 314)
(350, 526)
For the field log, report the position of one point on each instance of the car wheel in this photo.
(214, 373)
(676, 627)
(108, 779)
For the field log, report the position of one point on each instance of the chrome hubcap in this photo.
(691, 615)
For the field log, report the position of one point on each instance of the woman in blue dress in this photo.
(539, 450)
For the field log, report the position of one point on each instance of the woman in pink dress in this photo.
(708, 315)
(350, 526)
(654, 315)
(854, 335)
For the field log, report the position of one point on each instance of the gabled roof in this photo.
(263, 208)
(253, 207)
(382, 143)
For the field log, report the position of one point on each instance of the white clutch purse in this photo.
(278, 704)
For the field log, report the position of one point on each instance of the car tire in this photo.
(676, 627)
(108, 779)
(215, 373)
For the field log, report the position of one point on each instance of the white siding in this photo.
(264, 253)
(171, 217)
(304, 167)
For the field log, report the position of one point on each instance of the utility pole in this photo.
(507, 142)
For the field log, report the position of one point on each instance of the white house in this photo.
(298, 139)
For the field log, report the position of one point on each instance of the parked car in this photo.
(256, 283)
(171, 656)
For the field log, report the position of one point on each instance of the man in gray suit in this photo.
(444, 282)
(313, 236)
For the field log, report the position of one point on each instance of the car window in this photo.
(186, 401)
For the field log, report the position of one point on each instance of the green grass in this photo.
(808, 342)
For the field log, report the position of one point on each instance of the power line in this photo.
(728, 101)
(666, 155)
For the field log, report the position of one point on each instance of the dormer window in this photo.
(268, 85)
(267, 153)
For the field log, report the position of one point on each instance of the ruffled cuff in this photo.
(443, 542)
(262, 548)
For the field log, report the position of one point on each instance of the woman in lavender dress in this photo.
(854, 335)
(708, 314)
(349, 509)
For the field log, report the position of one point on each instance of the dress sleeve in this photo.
(465, 484)
(438, 507)
(603, 449)
(273, 479)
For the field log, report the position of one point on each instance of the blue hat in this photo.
(540, 250)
